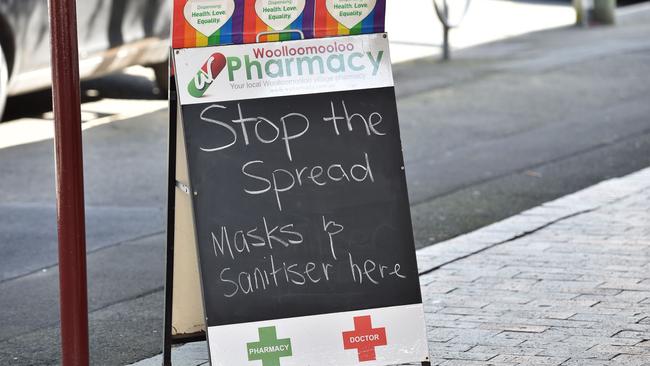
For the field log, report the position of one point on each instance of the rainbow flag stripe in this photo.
(326, 26)
(245, 25)
(253, 25)
(185, 36)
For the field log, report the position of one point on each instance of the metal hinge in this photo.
(183, 187)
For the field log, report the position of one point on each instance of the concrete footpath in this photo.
(565, 283)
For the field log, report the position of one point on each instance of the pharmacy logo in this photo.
(269, 349)
(364, 338)
(206, 75)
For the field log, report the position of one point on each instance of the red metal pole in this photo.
(69, 183)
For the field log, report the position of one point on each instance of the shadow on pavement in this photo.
(112, 86)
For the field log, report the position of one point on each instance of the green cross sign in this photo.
(269, 349)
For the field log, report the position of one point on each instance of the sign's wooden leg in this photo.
(426, 363)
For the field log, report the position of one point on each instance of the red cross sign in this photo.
(364, 338)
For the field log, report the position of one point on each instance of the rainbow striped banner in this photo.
(254, 24)
(186, 35)
(201, 23)
(349, 17)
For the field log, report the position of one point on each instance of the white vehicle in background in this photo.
(113, 34)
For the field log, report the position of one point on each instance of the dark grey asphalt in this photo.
(503, 128)
(507, 126)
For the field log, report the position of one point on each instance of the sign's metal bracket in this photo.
(183, 187)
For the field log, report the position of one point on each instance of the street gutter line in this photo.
(529, 232)
(516, 237)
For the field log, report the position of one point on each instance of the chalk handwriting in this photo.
(299, 126)
(272, 275)
(235, 127)
(243, 240)
(370, 123)
(332, 228)
(288, 128)
(372, 271)
(283, 180)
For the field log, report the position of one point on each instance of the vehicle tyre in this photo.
(161, 72)
(4, 81)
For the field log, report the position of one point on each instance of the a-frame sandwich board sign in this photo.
(299, 203)
(379, 247)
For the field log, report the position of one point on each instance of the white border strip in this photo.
(319, 340)
(276, 69)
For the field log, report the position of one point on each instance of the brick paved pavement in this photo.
(566, 283)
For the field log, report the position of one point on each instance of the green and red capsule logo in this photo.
(206, 75)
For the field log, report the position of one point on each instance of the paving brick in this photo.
(474, 363)
(519, 328)
(468, 355)
(632, 334)
(567, 351)
(522, 351)
(585, 362)
(631, 360)
(589, 342)
(437, 348)
(457, 324)
(616, 350)
(440, 334)
(529, 360)
(461, 310)
(642, 297)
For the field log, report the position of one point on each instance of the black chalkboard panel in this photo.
(300, 205)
